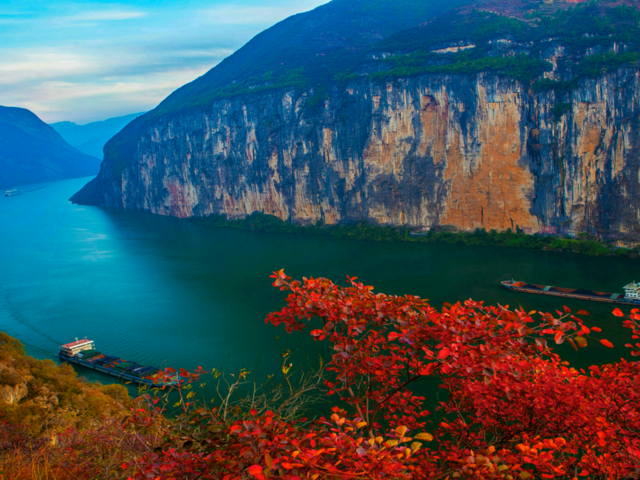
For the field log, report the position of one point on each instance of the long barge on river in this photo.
(630, 297)
(83, 352)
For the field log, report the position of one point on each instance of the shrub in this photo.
(510, 407)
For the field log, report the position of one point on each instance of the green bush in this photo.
(596, 65)
(560, 109)
(520, 67)
(364, 231)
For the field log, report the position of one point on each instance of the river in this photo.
(165, 292)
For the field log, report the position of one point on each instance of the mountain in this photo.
(471, 114)
(308, 48)
(92, 137)
(31, 151)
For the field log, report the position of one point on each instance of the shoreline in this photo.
(588, 245)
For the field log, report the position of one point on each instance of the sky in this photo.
(90, 60)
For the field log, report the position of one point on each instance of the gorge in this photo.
(472, 120)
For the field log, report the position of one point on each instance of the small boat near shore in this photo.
(630, 297)
(83, 352)
(12, 193)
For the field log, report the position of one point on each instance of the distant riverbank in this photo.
(586, 245)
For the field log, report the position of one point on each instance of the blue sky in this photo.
(90, 60)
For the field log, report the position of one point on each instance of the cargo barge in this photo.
(12, 193)
(630, 297)
(83, 352)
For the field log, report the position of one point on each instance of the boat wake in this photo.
(15, 315)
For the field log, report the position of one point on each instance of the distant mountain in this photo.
(31, 151)
(91, 138)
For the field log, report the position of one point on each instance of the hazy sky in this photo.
(90, 60)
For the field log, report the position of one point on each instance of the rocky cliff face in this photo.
(16, 390)
(465, 151)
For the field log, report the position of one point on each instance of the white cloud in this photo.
(90, 86)
(55, 101)
(35, 64)
(104, 15)
(70, 63)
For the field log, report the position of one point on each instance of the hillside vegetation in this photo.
(48, 397)
(591, 39)
(506, 405)
(584, 244)
(54, 425)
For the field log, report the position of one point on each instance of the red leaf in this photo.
(618, 313)
(444, 353)
(606, 343)
(428, 370)
(256, 471)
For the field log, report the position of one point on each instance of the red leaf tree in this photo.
(511, 407)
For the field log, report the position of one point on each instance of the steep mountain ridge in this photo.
(305, 49)
(31, 151)
(470, 120)
(92, 137)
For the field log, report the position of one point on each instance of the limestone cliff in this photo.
(472, 152)
(487, 118)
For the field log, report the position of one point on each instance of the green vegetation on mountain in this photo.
(306, 49)
(584, 244)
(520, 67)
(588, 26)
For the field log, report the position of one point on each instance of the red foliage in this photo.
(512, 407)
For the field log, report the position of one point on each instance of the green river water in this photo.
(165, 292)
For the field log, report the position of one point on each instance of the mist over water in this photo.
(165, 292)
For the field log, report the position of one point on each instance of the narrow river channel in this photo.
(166, 292)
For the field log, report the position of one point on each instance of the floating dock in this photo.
(83, 353)
(630, 297)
